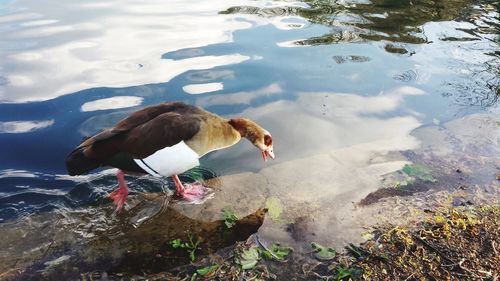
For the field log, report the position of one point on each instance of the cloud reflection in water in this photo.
(239, 97)
(14, 127)
(111, 103)
(196, 89)
(331, 149)
(74, 46)
(339, 138)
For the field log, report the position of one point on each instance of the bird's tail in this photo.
(77, 163)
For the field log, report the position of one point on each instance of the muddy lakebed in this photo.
(381, 112)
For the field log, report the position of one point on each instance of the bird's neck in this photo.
(244, 127)
(216, 134)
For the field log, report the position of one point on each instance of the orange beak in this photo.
(267, 153)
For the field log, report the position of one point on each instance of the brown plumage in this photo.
(173, 128)
(139, 135)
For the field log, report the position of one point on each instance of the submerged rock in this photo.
(117, 245)
(460, 153)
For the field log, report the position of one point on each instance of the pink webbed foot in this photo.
(193, 192)
(120, 194)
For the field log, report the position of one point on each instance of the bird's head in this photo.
(257, 135)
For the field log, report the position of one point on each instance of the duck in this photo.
(164, 140)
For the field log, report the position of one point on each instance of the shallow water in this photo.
(352, 91)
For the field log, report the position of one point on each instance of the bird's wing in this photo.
(136, 119)
(144, 132)
(165, 130)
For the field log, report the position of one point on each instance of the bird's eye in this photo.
(268, 140)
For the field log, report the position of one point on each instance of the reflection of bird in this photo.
(164, 140)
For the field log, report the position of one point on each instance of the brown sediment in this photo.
(159, 255)
(449, 244)
(122, 249)
(373, 197)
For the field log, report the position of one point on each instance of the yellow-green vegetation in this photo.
(248, 258)
(452, 244)
(277, 252)
(204, 271)
(275, 208)
(412, 178)
(229, 217)
(419, 171)
(449, 244)
(322, 253)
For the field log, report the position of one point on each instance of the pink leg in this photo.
(178, 185)
(192, 192)
(120, 194)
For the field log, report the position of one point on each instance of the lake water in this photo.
(350, 90)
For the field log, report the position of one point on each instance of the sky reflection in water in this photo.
(340, 86)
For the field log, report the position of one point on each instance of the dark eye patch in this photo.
(268, 140)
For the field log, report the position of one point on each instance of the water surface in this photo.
(352, 91)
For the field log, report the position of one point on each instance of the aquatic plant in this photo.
(277, 252)
(342, 272)
(207, 270)
(419, 171)
(229, 217)
(190, 246)
(322, 253)
(275, 208)
(248, 258)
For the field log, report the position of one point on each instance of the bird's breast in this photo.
(215, 134)
(170, 160)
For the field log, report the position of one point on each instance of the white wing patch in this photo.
(170, 161)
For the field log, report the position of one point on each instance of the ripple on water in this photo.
(183, 54)
(209, 75)
(350, 58)
(343, 133)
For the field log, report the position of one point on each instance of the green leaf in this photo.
(274, 208)
(176, 243)
(356, 251)
(404, 183)
(190, 246)
(265, 254)
(277, 252)
(342, 272)
(249, 258)
(207, 269)
(419, 171)
(248, 264)
(323, 253)
(192, 255)
(229, 217)
(280, 251)
(229, 224)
